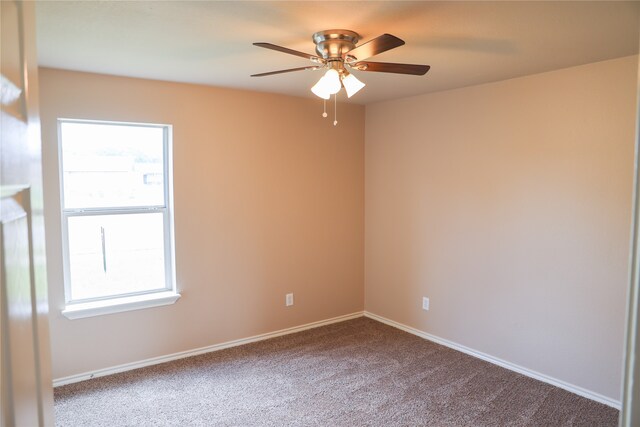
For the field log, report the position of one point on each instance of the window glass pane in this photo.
(107, 165)
(116, 254)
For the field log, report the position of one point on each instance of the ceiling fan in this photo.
(337, 51)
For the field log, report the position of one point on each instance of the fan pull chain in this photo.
(324, 113)
(335, 109)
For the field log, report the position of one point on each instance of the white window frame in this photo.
(89, 307)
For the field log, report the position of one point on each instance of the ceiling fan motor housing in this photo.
(333, 44)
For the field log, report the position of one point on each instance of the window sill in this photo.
(117, 305)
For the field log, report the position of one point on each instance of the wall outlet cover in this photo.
(289, 300)
(425, 303)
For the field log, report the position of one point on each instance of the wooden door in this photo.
(26, 397)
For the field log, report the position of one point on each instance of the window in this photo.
(116, 216)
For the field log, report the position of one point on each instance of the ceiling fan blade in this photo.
(389, 67)
(284, 71)
(289, 51)
(378, 45)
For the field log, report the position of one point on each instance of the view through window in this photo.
(115, 209)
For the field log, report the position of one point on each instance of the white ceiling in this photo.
(210, 42)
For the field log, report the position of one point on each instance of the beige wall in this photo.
(268, 200)
(508, 205)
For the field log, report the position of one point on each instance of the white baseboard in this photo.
(188, 353)
(503, 363)
(216, 347)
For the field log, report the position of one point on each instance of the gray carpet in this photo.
(354, 373)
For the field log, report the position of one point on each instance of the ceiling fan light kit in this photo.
(338, 50)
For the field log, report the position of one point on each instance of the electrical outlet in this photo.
(289, 300)
(425, 303)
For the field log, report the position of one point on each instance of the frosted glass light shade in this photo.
(332, 81)
(319, 90)
(327, 85)
(351, 84)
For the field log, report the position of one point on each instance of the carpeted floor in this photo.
(354, 373)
